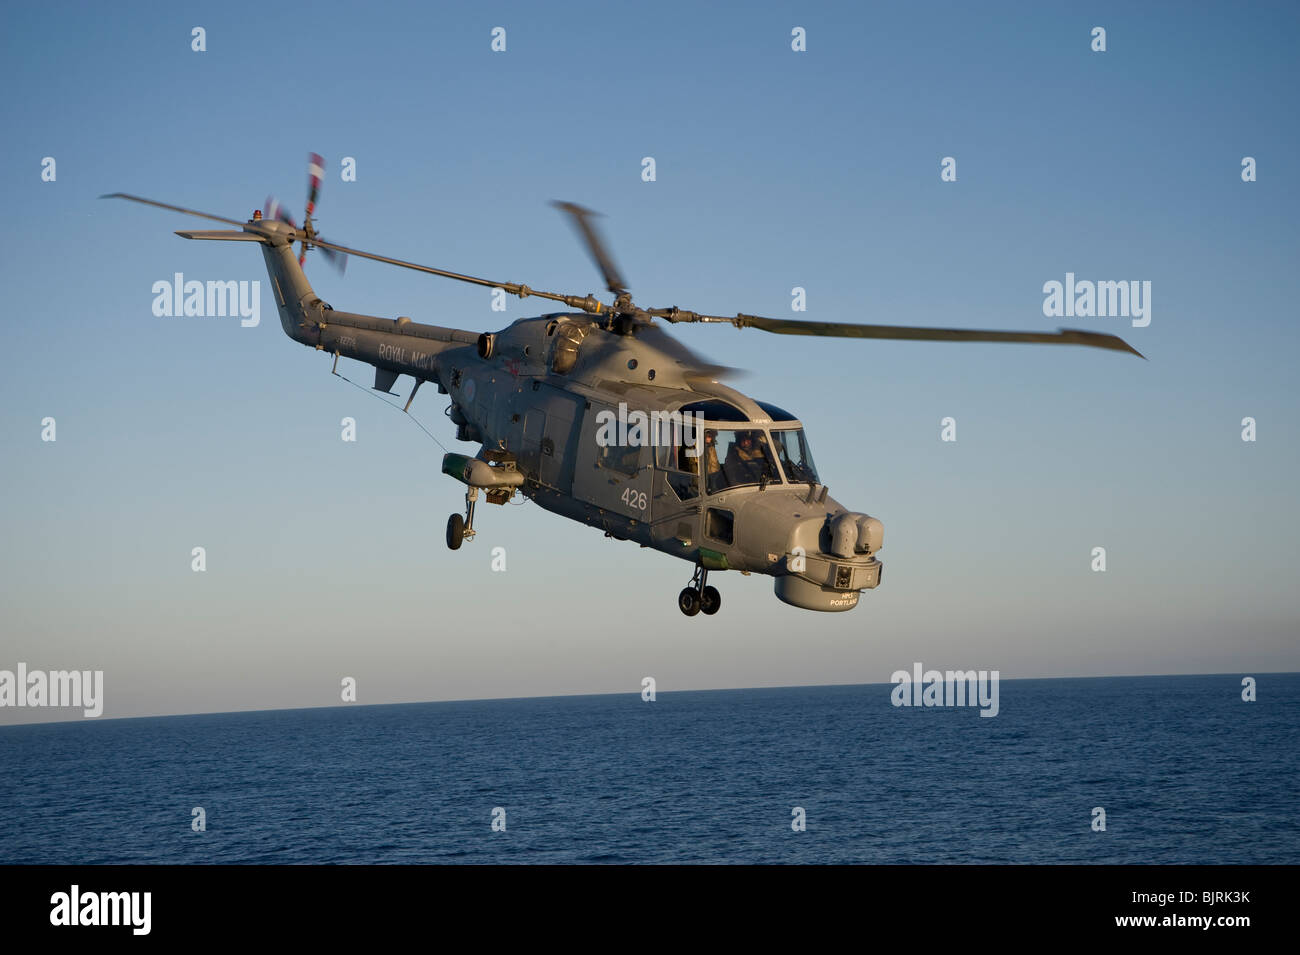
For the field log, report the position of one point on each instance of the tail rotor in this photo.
(275, 210)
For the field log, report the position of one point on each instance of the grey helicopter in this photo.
(598, 415)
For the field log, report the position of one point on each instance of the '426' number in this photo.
(634, 499)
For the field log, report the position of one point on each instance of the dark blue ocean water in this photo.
(1185, 771)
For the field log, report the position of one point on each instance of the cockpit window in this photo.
(796, 459)
(775, 413)
(733, 458)
(714, 410)
(676, 458)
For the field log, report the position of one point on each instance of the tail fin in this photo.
(293, 293)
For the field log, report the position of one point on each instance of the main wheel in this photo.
(710, 600)
(688, 602)
(455, 531)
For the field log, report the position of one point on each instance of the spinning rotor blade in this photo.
(273, 210)
(699, 366)
(315, 173)
(164, 205)
(595, 247)
(336, 259)
(784, 326)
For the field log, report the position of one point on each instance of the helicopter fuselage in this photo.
(618, 434)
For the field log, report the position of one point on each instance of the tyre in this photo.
(710, 600)
(455, 531)
(688, 602)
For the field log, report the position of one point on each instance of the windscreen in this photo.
(796, 459)
(733, 458)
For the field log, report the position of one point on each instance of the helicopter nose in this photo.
(830, 560)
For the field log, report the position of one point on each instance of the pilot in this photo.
(746, 461)
(712, 469)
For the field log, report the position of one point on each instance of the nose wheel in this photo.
(698, 596)
(461, 529)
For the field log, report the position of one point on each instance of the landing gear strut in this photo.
(460, 529)
(698, 596)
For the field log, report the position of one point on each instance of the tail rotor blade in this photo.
(274, 210)
(315, 173)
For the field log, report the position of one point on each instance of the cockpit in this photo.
(718, 448)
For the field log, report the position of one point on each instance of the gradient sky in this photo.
(775, 169)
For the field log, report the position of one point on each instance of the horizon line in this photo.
(566, 696)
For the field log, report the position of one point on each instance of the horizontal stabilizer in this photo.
(228, 235)
(384, 380)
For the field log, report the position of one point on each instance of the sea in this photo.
(1179, 769)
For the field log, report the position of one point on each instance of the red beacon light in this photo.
(257, 215)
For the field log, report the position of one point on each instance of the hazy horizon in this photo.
(70, 718)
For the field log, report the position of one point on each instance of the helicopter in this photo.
(596, 414)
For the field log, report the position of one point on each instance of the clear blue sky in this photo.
(775, 169)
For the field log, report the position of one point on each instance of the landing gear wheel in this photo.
(455, 531)
(710, 600)
(688, 602)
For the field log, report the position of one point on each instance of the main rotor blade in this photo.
(784, 326)
(595, 247)
(697, 365)
(163, 205)
(585, 302)
(336, 259)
